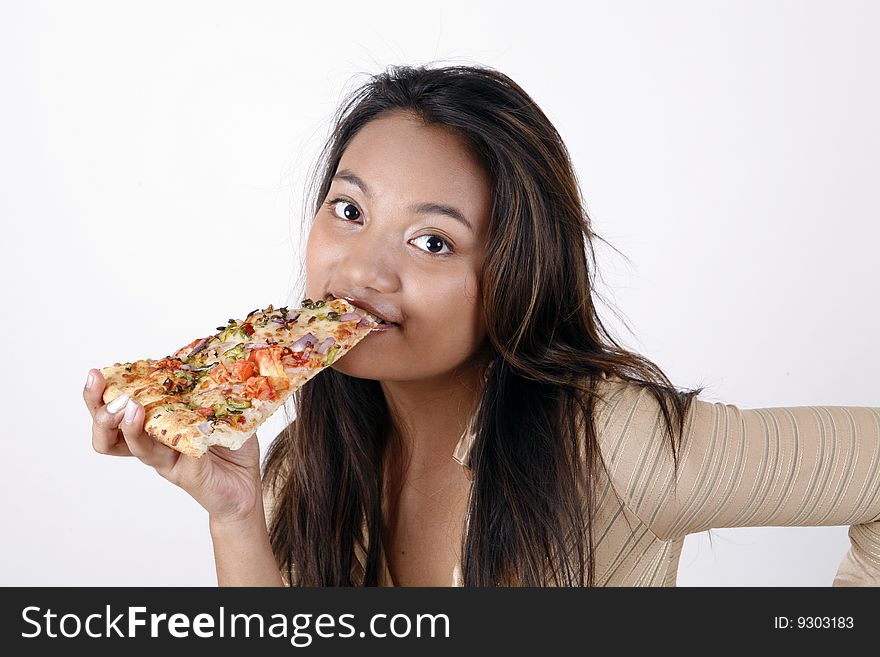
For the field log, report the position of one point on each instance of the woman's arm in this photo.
(222, 481)
(861, 564)
(242, 551)
(783, 466)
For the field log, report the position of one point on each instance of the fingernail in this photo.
(131, 409)
(90, 380)
(116, 405)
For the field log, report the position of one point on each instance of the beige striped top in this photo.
(782, 466)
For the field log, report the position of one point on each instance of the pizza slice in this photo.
(218, 389)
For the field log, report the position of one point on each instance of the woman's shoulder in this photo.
(627, 416)
(616, 395)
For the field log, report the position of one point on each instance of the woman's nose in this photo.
(368, 262)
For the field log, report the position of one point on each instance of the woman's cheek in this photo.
(318, 249)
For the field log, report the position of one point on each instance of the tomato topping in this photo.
(219, 374)
(205, 411)
(248, 329)
(173, 363)
(268, 361)
(292, 358)
(257, 387)
(279, 382)
(262, 358)
(242, 370)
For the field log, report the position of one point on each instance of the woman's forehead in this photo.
(398, 152)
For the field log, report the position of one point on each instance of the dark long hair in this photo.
(548, 348)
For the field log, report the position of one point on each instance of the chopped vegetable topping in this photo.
(180, 381)
(292, 358)
(233, 333)
(235, 353)
(258, 387)
(242, 370)
(268, 361)
(331, 355)
(192, 344)
(220, 374)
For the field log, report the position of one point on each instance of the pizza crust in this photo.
(175, 433)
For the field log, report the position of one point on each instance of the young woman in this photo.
(497, 435)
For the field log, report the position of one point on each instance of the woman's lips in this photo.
(382, 328)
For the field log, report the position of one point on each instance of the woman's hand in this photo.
(225, 482)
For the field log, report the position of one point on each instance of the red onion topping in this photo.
(222, 346)
(348, 317)
(307, 340)
(324, 346)
(201, 345)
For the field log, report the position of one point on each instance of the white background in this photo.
(730, 150)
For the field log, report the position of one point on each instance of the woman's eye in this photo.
(433, 241)
(349, 210)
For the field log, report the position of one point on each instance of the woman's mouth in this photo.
(384, 326)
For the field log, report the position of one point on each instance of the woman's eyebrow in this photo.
(426, 207)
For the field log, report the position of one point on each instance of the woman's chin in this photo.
(361, 365)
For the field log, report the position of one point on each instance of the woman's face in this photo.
(382, 237)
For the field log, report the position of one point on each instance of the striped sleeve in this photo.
(783, 466)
